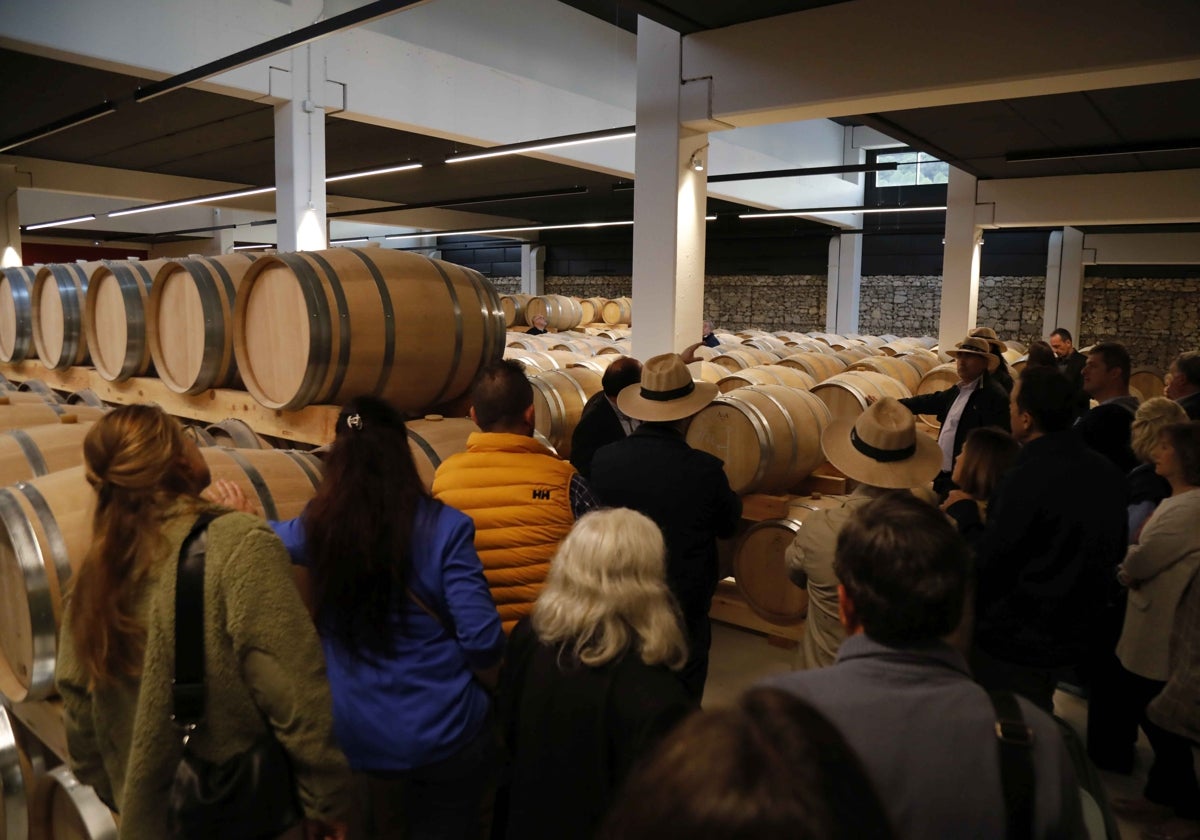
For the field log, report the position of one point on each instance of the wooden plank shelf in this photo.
(313, 424)
(44, 720)
(729, 607)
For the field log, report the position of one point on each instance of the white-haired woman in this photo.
(1146, 487)
(589, 682)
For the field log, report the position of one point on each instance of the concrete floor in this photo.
(740, 658)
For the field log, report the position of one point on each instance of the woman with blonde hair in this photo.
(1146, 487)
(590, 679)
(263, 670)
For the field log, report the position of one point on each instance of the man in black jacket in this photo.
(1106, 428)
(1183, 383)
(1070, 362)
(683, 490)
(601, 422)
(1046, 558)
(974, 402)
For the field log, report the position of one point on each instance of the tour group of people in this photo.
(522, 651)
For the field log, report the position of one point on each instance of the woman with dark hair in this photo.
(410, 632)
(769, 767)
(1157, 569)
(116, 660)
(987, 454)
(1040, 354)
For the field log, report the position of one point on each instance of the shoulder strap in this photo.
(187, 691)
(1015, 751)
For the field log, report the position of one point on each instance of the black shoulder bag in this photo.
(252, 795)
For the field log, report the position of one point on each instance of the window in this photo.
(912, 168)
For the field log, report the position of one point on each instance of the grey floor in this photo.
(740, 658)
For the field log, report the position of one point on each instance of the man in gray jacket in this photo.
(904, 700)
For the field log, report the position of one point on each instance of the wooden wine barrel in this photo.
(937, 379)
(514, 309)
(530, 342)
(766, 375)
(543, 359)
(562, 312)
(16, 313)
(705, 371)
(846, 393)
(86, 396)
(765, 342)
(598, 363)
(66, 809)
(573, 343)
(30, 398)
(900, 345)
(853, 353)
(593, 309)
(760, 565)
(618, 311)
(59, 298)
(615, 333)
(891, 366)
(38, 450)
(558, 400)
(45, 531)
(22, 762)
(920, 358)
(435, 438)
(817, 365)
(872, 341)
(1149, 381)
(117, 319)
(323, 326)
(42, 390)
(768, 436)
(743, 357)
(190, 328)
(236, 434)
(21, 415)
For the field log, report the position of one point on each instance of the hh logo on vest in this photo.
(541, 494)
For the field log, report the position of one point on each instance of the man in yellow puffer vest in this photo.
(522, 497)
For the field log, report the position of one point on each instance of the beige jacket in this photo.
(1160, 565)
(264, 666)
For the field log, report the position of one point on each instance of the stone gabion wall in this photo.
(506, 285)
(585, 287)
(791, 302)
(1156, 319)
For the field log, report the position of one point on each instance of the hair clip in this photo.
(354, 421)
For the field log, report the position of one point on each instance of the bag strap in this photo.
(1015, 753)
(187, 690)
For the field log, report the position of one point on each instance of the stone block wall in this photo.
(790, 302)
(1155, 318)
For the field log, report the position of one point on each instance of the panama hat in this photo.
(970, 346)
(882, 448)
(666, 392)
(990, 336)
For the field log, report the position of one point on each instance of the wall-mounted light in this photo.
(697, 161)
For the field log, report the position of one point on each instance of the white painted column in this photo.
(533, 269)
(668, 204)
(10, 219)
(845, 283)
(960, 261)
(1064, 282)
(300, 154)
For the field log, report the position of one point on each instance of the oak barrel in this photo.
(236, 434)
(22, 762)
(534, 360)
(742, 357)
(22, 415)
(38, 450)
(190, 326)
(16, 313)
(514, 309)
(435, 438)
(854, 352)
(891, 366)
(706, 371)
(117, 319)
(598, 363)
(59, 298)
(45, 530)
(562, 312)
(817, 365)
(846, 393)
(768, 436)
(593, 309)
(618, 311)
(41, 389)
(1149, 381)
(558, 400)
(766, 375)
(66, 809)
(323, 326)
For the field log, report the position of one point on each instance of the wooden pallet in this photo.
(312, 424)
(729, 607)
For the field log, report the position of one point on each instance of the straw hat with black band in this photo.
(989, 335)
(882, 447)
(975, 347)
(666, 392)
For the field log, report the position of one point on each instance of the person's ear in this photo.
(528, 416)
(846, 612)
(471, 414)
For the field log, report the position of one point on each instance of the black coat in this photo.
(987, 406)
(1072, 368)
(598, 426)
(1191, 404)
(1107, 429)
(1047, 558)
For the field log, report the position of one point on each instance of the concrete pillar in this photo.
(668, 203)
(1064, 282)
(300, 157)
(10, 220)
(533, 269)
(960, 261)
(845, 282)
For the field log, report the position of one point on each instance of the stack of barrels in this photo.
(563, 312)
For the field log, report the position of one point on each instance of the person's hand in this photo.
(956, 496)
(321, 830)
(1124, 579)
(224, 492)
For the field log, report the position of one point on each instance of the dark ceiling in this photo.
(207, 135)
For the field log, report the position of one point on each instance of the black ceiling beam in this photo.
(664, 15)
(79, 118)
(799, 173)
(458, 202)
(1102, 151)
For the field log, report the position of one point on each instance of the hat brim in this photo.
(915, 471)
(993, 361)
(633, 404)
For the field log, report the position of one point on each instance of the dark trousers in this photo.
(440, 801)
(1116, 704)
(1172, 777)
(1035, 684)
(698, 630)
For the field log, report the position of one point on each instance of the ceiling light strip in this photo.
(779, 214)
(623, 133)
(61, 222)
(186, 202)
(367, 173)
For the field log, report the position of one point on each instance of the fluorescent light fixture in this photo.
(61, 222)
(262, 247)
(367, 173)
(517, 229)
(348, 241)
(710, 218)
(548, 143)
(186, 202)
(812, 210)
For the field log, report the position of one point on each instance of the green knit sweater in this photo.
(263, 664)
